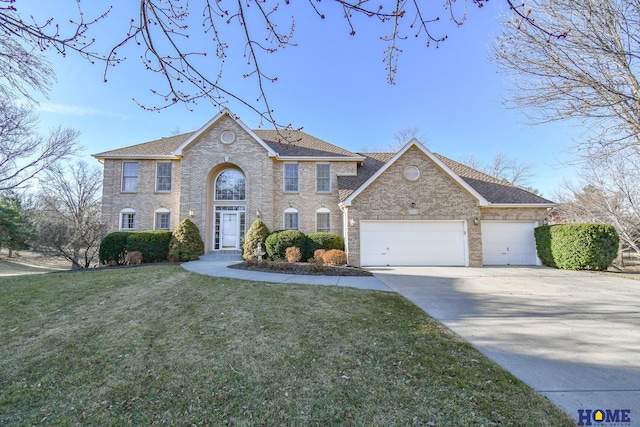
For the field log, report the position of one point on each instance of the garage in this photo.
(413, 243)
(508, 243)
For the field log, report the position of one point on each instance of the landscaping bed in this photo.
(304, 268)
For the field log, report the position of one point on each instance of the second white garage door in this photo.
(508, 243)
(413, 243)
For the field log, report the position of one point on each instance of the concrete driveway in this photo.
(572, 336)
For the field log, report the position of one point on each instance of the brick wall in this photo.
(435, 195)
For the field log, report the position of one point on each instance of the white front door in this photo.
(229, 231)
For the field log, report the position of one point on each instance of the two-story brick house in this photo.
(412, 207)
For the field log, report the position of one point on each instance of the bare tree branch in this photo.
(23, 153)
(577, 60)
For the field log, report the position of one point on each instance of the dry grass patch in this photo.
(159, 345)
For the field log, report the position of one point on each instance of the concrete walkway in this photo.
(572, 336)
(216, 264)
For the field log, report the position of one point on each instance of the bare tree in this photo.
(607, 191)
(163, 32)
(22, 70)
(68, 215)
(406, 134)
(24, 153)
(579, 61)
(513, 171)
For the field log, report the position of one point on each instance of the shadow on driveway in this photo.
(572, 336)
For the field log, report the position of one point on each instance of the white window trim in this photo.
(170, 177)
(323, 191)
(155, 218)
(122, 190)
(284, 178)
(323, 211)
(284, 218)
(127, 211)
(215, 187)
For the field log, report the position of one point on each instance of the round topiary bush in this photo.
(186, 243)
(278, 242)
(258, 233)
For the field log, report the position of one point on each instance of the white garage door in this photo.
(413, 243)
(508, 243)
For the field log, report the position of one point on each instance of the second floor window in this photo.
(291, 177)
(163, 176)
(323, 178)
(130, 176)
(231, 185)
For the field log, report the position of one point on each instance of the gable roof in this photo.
(415, 143)
(281, 144)
(488, 190)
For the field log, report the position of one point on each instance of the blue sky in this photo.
(333, 85)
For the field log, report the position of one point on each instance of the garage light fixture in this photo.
(545, 221)
(476, 221)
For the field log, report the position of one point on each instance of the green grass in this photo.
(158, 345)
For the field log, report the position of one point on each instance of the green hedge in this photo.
(113, 247)
(326, 241)
(577, 246)
(278, 242)
(154, 246)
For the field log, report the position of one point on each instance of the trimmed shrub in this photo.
(258, 233)
(577, 246)
(334, 257)
(278, 242)
(113, 248)
(326, 241)
(318, 254)
(186, 243)
(293, 254)
(154, 245)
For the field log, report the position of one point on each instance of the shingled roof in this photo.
(285, 143)
(295, 143)
(157, 148)
(492, 189)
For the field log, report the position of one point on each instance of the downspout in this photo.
(345, 228)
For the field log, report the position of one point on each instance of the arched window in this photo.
(127, 219)
(291, 220)
(230, 185)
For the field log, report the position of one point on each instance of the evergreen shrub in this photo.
(186, 243)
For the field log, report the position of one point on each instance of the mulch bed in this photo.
(301, 268)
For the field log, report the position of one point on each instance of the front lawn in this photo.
(158, 345)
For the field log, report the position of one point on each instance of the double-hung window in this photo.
(163, 176)
(129, 176)
(291, 177)
(323, 178)
(323, 220)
